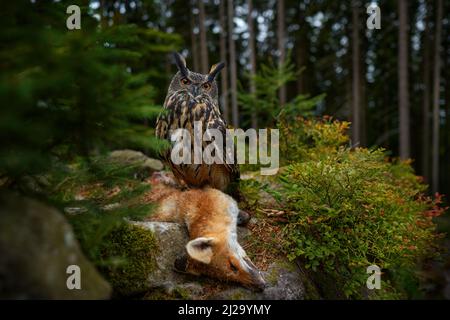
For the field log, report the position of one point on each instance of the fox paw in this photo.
(243, 218)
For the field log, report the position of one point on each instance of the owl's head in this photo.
(195, 83)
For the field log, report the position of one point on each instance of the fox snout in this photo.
(259, 284)
(257, 281)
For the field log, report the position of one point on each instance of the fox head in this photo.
(215, 251)
(224, 259)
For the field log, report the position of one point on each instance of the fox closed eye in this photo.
(233, 267)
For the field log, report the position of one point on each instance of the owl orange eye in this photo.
(185, 81)
(206, 86)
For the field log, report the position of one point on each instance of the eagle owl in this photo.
(194, 97)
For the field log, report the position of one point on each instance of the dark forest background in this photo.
(391, 83)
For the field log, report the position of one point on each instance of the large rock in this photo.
(284, 282)
(171, 238)
(143, 165)
(283, 278)
(37, 246)
(171, 241)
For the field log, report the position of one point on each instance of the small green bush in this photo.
(349, 209)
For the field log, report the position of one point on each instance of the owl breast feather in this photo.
(182, 109)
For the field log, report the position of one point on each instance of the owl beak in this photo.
(195, 91)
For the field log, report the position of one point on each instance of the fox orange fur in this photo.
(210, 217)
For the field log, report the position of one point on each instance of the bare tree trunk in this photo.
(251, 46)
(404, 145)
(301, 62)
(281, 46)
(356, 88)
(436, 89)
(103, 16)
(301, 50)
(223, 57)
(233, 71)
(426, 102)
(363, 104)
(194, 49)
(204, 64)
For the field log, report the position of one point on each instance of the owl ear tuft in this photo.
(181, 64)
(215, 69)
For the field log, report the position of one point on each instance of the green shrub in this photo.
(349, 209)
(302, 139)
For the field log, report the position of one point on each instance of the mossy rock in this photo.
(145, 253)
(134, 249)
(284, 282)
(171, 238)
(187, 291)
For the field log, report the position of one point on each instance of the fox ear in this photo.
(200, 249)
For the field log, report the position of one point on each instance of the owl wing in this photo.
(171, 116)
(213, 120)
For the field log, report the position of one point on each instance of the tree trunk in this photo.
(103, 16)
(251, 47)
(233, 71)
(426, 102)
(281, 46)
(223, 57)
(194, 46)
(301, 51)
(204, 64)
(436, 89)
(301, 63)
(356, 87)
(404, 145)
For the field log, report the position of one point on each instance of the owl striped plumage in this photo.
(193, 97)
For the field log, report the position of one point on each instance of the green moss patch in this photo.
(133, 249)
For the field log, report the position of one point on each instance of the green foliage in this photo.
(349, 209)
(68, 97)
(251, 190)
(69, 93)
(265, 102)
(98, 198)
(302, 138)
